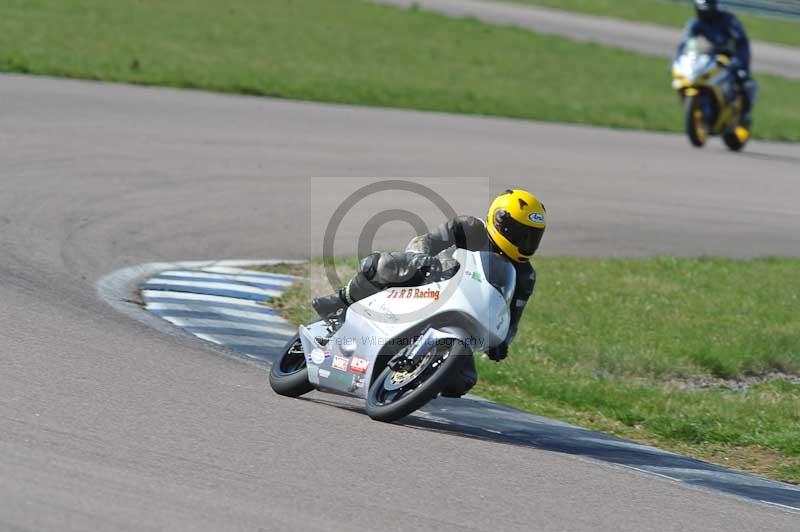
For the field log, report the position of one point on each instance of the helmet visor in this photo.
(525, 237)
(706, 6)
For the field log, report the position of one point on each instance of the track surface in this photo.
(218, 304)
(639, 37)
(108, 424)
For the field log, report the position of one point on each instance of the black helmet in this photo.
(706, 8)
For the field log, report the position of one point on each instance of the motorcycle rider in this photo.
(727, 35)
(513, 228)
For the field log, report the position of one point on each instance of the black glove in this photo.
(426, 266)
(498, 353)
(738, 70)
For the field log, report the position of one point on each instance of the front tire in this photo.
(695, 122)
(289, 373)
(736, 138)
(387, 402)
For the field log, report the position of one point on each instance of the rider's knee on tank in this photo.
(379, 271)
(370, 277)
(369, 265)
(385, 267)
(393, 267)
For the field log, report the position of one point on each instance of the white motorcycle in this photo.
(399, 348)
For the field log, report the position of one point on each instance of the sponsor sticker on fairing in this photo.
(475, 276)
(341, 380)
(324, 373)
(339, 363)
(318, 356)
(359, 365)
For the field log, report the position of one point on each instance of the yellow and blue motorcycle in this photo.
(711, 97)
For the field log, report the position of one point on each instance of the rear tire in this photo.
(416, 394)
(289, 373)
(694, 122)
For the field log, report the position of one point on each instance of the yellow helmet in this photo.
(516, 223)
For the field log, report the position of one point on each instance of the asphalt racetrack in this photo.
(108, 424)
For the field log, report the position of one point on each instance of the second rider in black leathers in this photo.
(724, 31)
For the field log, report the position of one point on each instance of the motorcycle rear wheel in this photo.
(389, 405)
(695, 122)
(289, 373)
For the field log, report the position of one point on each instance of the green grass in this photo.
(668, 317)
(671, 13)
(653, 349)
(356, 52)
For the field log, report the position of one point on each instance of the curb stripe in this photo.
(208, 338)
(250, 273)
(204, 316)
(224, 314)
(242, 274)
(191, 297)
(255, 283)
(266, 328)
(210, 304)
(223, 305)
(234, 292)
(166, 303)
(224, 285)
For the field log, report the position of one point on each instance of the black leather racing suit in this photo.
(379, 271)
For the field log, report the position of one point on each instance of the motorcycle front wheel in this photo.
(289, 373)
(396, 394)
(695, 122)
(736, 138)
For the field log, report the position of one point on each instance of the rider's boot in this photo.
(332, 306)
(750, 89)
(747, 119)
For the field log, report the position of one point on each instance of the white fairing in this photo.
(472, 307)
(692, 65)
(697, 59)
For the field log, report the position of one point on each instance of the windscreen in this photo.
(699, 45)
(499, 272)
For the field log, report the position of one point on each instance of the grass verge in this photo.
(672, 13)
(698, 356)
(357, 52)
